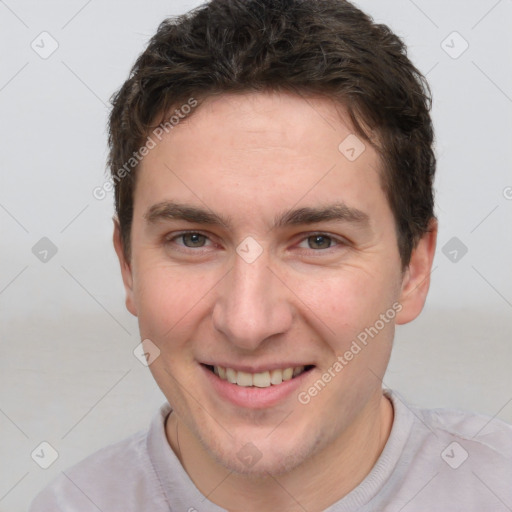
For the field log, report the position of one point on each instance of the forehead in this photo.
(269, 120)
(265, 150)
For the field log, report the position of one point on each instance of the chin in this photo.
(269, 462)
(266, 455)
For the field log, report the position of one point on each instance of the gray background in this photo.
(67, 369)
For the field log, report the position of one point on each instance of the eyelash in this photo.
(335, 240)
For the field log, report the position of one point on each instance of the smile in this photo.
(258, 389)
(263, 379)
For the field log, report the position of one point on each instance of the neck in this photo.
(314, 485)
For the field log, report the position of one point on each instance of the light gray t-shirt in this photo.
(434, 461)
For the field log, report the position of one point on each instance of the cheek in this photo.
(167, 298)
(349, 299)
(350, 308)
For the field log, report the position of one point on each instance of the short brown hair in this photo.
(316, 47)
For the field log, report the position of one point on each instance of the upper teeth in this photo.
(261, 379)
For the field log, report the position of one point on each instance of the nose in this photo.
(252, 304)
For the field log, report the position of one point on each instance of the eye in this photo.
(320, 241)
(189, 239)
(193, 239)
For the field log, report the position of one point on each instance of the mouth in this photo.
(263, 379)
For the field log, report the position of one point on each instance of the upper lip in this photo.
(259, 367)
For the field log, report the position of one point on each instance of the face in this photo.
(265, 268)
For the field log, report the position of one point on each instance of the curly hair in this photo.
(307, 47)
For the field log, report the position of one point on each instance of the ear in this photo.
(416, 278)
(126, 270)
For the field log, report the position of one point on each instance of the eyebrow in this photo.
(339, 212)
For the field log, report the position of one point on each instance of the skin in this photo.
(249, 158)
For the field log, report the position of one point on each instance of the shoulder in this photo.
(491, 434)
(464, 459)
(117, 477)
(487, 434)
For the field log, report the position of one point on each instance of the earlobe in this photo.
(126, 271)
(416, 279)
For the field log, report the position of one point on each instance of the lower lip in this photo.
(253, 397)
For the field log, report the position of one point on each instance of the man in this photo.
(273, 169)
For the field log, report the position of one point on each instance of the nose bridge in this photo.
(251, 305)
